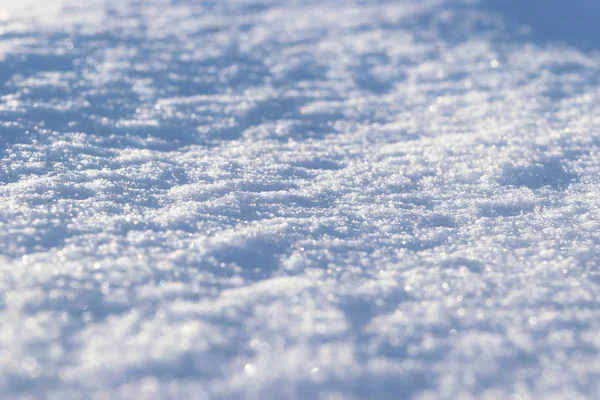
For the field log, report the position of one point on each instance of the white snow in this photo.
(272, 199)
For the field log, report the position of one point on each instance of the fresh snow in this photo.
(299, 199)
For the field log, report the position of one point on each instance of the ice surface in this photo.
(333, 199)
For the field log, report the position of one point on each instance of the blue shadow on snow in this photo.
(575, 22)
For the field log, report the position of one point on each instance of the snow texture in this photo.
(299, 199)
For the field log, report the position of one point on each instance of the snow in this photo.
(267, 199)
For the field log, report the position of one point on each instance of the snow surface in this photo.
(299, 199)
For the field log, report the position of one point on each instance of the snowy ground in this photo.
(299, 199)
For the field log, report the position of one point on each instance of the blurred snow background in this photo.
(334, 199)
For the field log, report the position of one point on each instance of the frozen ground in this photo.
(299, 199)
